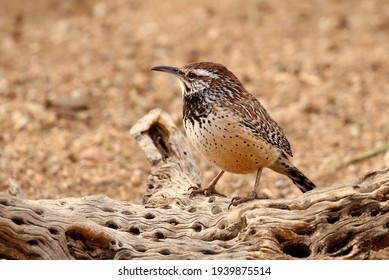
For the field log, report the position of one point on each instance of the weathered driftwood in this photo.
(341, 222)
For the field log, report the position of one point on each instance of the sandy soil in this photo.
(74, 78)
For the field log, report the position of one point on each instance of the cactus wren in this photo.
(230, 128)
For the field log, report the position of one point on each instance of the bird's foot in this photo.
(210, 190)
(239, 200)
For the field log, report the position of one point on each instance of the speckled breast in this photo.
(226, 143)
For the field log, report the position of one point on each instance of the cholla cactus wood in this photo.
(340, 222)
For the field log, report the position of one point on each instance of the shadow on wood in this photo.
(341, 222)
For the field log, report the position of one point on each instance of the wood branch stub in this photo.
(173, 167)
(349, 221)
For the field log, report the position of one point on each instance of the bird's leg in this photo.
(253, 195)
(210, 190)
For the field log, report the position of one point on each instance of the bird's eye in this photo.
(191, 75)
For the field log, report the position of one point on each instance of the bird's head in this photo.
(202, 76)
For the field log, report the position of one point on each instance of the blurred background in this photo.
(74, 78)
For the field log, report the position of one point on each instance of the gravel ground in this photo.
(74, 78)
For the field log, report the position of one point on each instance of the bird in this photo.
(231, 129)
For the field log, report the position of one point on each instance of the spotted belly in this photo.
(229, 145)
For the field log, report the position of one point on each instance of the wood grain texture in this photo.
(341, 222)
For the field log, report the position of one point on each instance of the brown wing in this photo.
(255, 118)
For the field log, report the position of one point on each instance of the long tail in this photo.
(285, 167)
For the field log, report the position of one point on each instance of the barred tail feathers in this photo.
(285, 167)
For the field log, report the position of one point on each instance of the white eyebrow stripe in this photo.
(203, 72)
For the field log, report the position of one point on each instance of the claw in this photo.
(239, 200)
(207, 192)
(194, 187)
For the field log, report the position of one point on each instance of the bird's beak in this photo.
(167, 69)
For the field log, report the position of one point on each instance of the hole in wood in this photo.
(222, 224)
(296, 250)
(164, 252)
(160, 137)
(134, 230)
(334, 209)
(208, 252)
(5, 202)
(332, 219)
(338, 241)
(53, 231)
(88, 237)
(173, 222)
(38, 212)
(380, 241)
(111, 224)
(108, 209)
(149, 216)
(356, 211)
(197, 227)
(126, 212)
(75, 235)
(159, 235)
(32, 242)
(140, 248)
(279, 206)
(374, 212)
(192, 209)
(18, 221)
(374, 209)
(216, 209)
